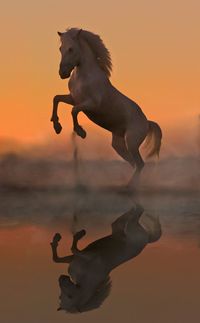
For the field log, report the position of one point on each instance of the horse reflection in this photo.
(88, 283)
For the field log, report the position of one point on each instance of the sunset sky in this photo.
(154, 46)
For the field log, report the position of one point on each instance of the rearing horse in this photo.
(92, 93)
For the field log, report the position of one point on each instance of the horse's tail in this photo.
(153, 139)
(155, 232)
(152, 226)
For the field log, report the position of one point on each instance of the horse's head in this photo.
(70, 53)
(75, 298)
(70, 294)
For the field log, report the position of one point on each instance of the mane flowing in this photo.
(101, 293)
(96, 44)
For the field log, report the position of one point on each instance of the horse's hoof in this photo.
(126, 190)
(133, 186)
(57, 127)
(57, 237)
(80, 234)
(81, 132)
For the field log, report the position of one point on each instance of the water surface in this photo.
(161, 284)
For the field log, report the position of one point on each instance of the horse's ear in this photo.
(78, 33)
(59, 33)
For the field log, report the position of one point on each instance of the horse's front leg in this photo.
(75, 111)
(54, 246)
(77, 236)
(54, 118)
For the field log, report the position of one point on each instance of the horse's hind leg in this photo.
(119, 144)
(134, 137)
(119, 226)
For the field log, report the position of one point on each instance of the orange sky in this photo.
(154, 45)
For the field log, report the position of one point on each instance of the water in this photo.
(161, 284)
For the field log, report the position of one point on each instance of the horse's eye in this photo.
(70, 296)
(70, 50)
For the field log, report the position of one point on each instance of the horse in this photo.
(88, 283)
(86, 61)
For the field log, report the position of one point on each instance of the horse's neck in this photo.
(88, 61)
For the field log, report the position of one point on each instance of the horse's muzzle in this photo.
(64, 75)
(65, 72)
(64, 278)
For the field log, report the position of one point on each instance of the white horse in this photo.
(92, 93)
(88, 283)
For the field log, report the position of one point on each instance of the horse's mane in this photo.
(96, 44)
(100, 294)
